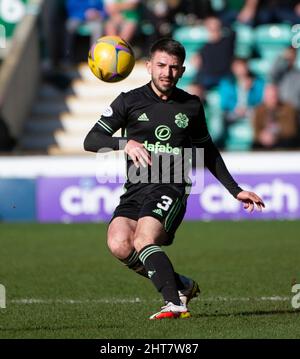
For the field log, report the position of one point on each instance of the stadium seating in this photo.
(189, 73)
(244, 40)
(84, 30)
(260, 67)
(214, 114)
(192, 37)
(267, 41)
(240, 136)
(271, 39)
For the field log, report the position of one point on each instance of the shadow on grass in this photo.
(246, 314)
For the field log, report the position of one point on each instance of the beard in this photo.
(164, 88)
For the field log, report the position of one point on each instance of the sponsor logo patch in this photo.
(162, 132)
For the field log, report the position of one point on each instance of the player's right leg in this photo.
(120, 236)
(148, 239)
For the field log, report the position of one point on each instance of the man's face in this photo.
(165, 71)
(239, 68)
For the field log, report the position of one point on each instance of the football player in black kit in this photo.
(159, 119)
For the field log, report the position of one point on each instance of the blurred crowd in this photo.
(268, 106)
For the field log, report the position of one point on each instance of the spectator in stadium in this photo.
(272, 11)
(53, 35)
(274, 122)
(158, 20)
(214, 59)
(80, 12)
(228, 11)
(123, 18)
(192, 12)
(286, 76)
(257, 12)
(239, 94)
(53, 18)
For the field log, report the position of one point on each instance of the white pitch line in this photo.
(275, 298)
(75, 301)
(138, 300)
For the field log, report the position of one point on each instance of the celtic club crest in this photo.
(181, 120)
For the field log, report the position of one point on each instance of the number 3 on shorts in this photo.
(165, 204)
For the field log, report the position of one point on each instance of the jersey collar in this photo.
(157, 98)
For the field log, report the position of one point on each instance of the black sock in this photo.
(133, 262)
(161, 272)
(179, 283)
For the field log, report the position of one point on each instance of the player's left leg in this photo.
(148, 239)
(187, 288)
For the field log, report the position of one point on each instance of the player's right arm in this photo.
(100, 136)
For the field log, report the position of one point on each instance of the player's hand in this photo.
(138, 153)
(250, 199)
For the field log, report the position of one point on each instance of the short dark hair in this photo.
(170, 46)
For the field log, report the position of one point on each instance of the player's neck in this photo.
(163, 95)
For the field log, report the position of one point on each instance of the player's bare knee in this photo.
(119, 243)
(119, 247)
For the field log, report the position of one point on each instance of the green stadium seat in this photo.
(260, 67)
(244, 40)
(298, 58)
(84, 30)
(240, 136)
(192, 37)
(213, 113)
(189, 73)
(272, 39)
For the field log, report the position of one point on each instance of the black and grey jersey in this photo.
(166, 128)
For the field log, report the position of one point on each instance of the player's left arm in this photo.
(215, 164)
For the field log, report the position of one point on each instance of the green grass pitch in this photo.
(61, 282)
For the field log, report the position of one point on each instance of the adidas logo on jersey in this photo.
(158, 211)
(143, 117)
(151, 273)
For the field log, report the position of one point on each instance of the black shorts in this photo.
(165, 202)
